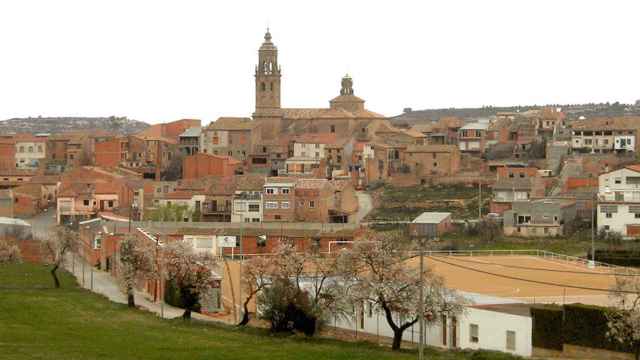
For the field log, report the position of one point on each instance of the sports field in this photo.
(529, 278)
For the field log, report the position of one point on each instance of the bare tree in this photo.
(380, 273)
(192, 273)
(9, 253)
(55, 248)
(624, 317)
(137, 262)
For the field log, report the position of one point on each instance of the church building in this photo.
(346, 114)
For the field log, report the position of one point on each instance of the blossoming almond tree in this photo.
(138, 262)
(377, 272)
(56, 246)
(192, 273)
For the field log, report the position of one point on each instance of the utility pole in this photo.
(241, 260)
(421, 307)
(479, 200)
(594, 206)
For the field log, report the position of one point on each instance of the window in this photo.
(110, 203)
(86, 203)
(277, 217)
(230, 153)
(263, 87)
(607, 227)
(285, 190)
(312, 204)
(636, 215)
(522, 175)
(511, 175)
(271, 205)
(271, 191)
(39, 148)
(255, 220)
(435, 164)
(511, 340)
(333, 128)
(247, 220)
(284, 204)
(97, 243)
(30, 149)
(21, 149)
(618, 181)
(474, 333)
(254, 208)
(608, 215)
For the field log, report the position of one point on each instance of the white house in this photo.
(619, 201)
(247, 206)
(488, 323)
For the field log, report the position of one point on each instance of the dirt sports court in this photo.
(529, 278)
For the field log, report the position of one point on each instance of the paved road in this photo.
(43, 222)
(103, 283)
(365, 205)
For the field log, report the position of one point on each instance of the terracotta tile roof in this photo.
(423, 128)
(431, 148)
(180, 195)
(617, 123)
(634, 167)
(232, 123)
(312, 183)
(307, 114)
(249, 182)
(413, 133)
(45, 179)
(316, 138)
(33, 190)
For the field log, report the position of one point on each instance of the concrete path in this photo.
(103, 283)
(365, 205)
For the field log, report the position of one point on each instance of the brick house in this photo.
(603, 135)
(229, 136)
(506, 191)
(429, 160)
(201, 165)
(472, 137)
(278, 198)
(7, 154)
(314, 199)
(110, 153)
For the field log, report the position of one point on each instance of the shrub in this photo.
(9, 253)
(287, 308)
(172, 296)
(588, 326)
(547, 327)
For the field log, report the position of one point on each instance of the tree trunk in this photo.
(54, 274)
(130, 299)
(397, 339)
(245, 314)
(187, 314)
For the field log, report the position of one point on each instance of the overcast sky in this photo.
(164, 60)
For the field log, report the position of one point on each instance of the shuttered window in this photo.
(609, 209)
(511, 340)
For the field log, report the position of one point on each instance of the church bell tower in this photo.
(267, 76)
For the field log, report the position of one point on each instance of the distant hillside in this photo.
(120, 125)
(410, 117)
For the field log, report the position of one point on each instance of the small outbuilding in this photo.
(430, 225)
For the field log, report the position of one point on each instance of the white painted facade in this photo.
(247, 207)
(314, 151)
(625, 142)
(30, 153)
(454, 332)
(619, 200)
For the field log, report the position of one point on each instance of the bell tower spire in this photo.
(267, 76)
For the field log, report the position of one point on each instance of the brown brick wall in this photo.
(201, 165)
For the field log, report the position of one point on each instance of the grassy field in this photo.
(39, 322)
(405, 203)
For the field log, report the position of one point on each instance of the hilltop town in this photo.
(516, 189)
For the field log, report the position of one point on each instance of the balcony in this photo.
(212, 209)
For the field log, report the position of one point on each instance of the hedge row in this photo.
(172, 296)
(586, 325)
(547, 327)
(575, 324)
(618, 257)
